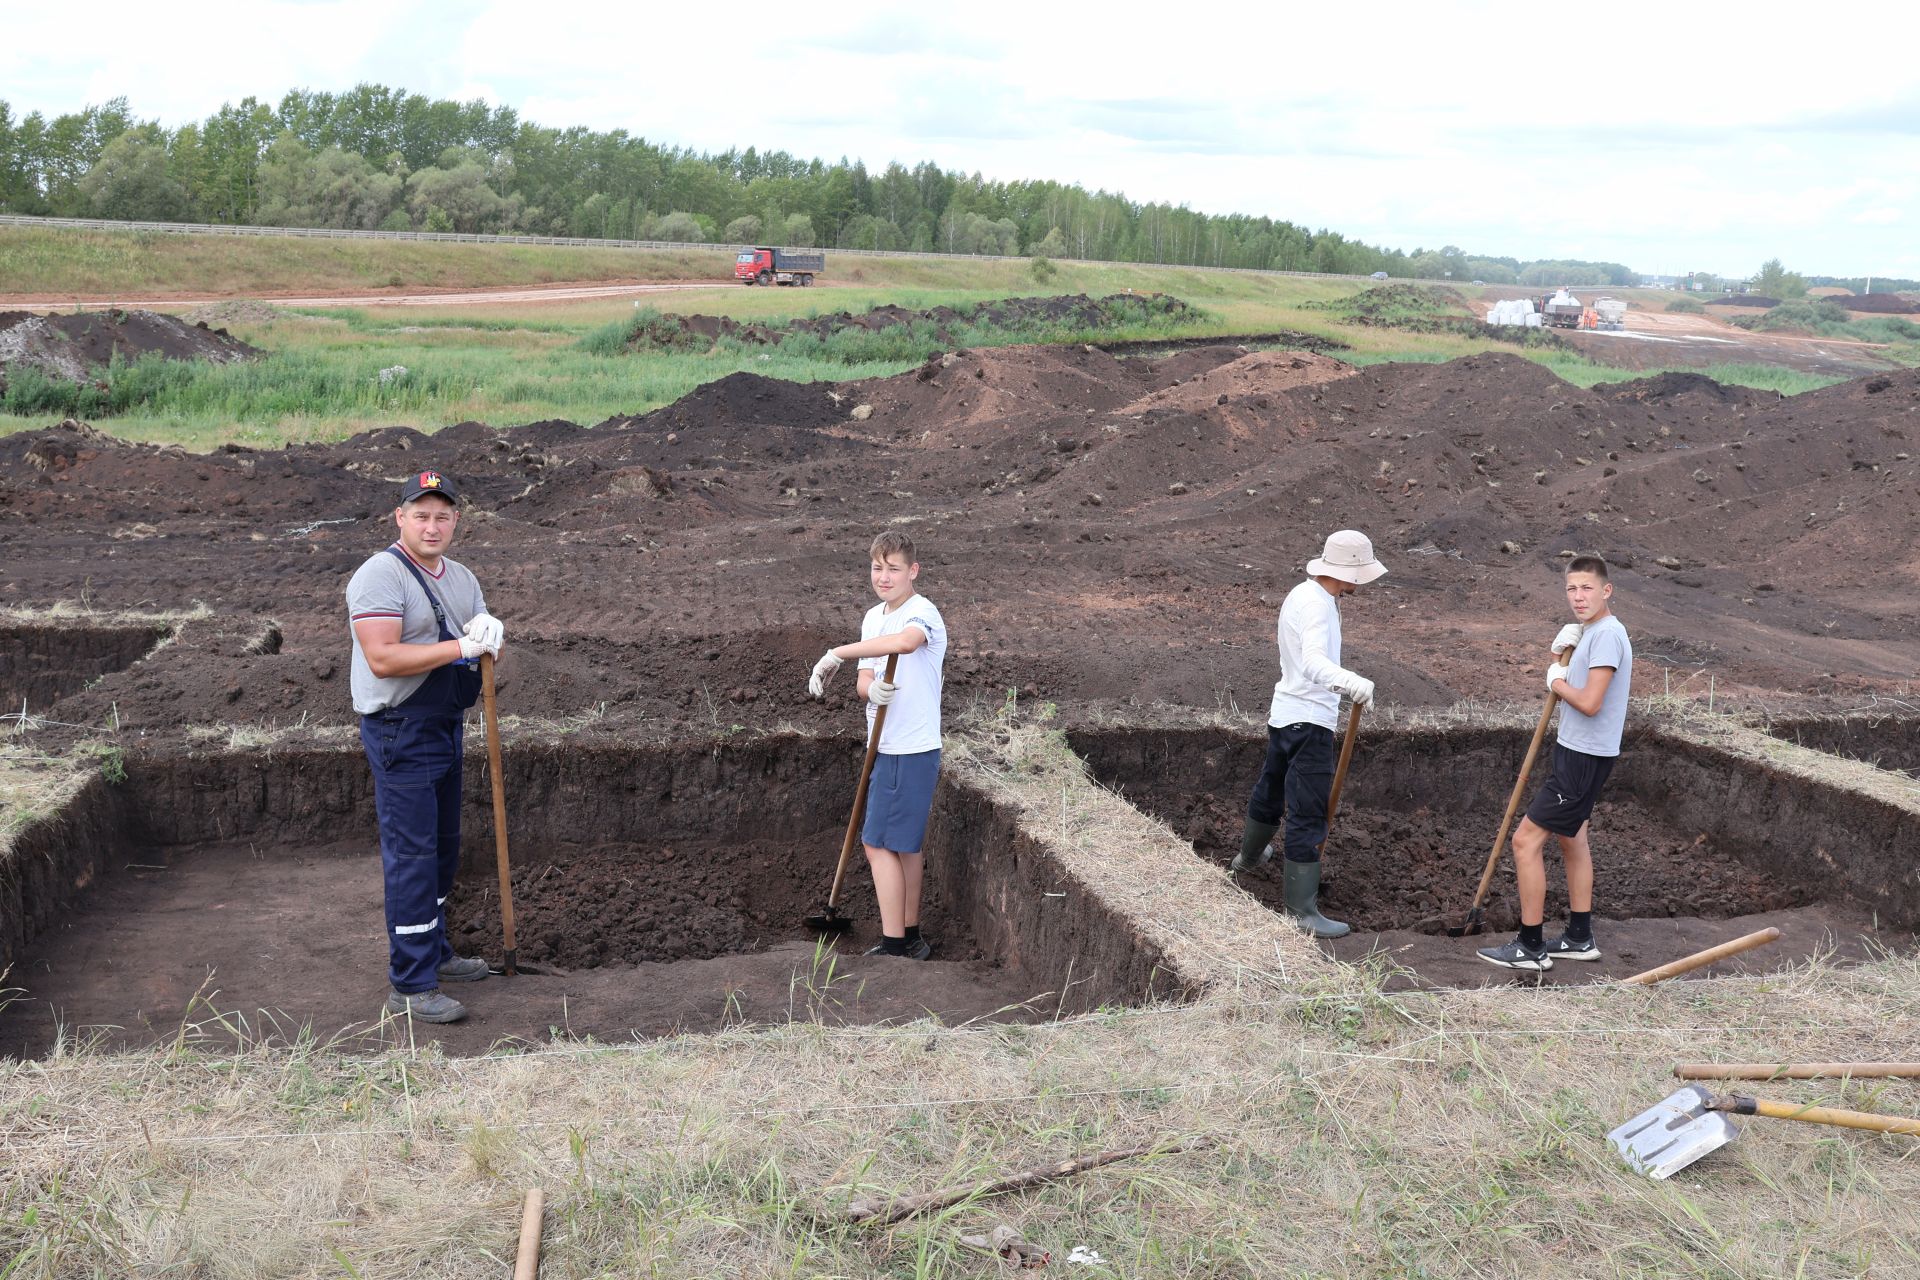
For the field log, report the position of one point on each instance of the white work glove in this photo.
(880, 692)
(1569, 637)
(822, 672)
(1558, 671)
(471, 648)
(1359, 688)
(487, 631)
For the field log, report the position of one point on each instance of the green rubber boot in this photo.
(1256, 846)
(1301, 886)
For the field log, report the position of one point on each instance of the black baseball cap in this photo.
(421, 483)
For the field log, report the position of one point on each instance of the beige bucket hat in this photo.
(1347, 556)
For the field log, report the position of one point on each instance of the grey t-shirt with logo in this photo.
(1604, 644)
(382, 588)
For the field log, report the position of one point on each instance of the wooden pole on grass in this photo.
(526, 1265)
(1700, 959)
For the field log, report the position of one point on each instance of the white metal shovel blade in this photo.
(1672, 1134)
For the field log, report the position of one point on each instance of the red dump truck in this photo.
(777, 266)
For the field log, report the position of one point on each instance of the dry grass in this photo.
(1359, 1132)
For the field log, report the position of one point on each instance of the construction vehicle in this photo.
(1609, 313)
(777, 266)
(1561, 310)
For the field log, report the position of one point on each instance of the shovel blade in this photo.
(1673, 1133)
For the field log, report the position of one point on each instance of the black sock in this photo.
(1579, 926)
(1531, 938)
(894, 946)
(913, 933)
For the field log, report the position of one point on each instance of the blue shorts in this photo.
(898, 800)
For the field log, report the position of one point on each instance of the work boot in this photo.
(1256, 846)
(1301, 888)
(462, 969)
(427, 1006)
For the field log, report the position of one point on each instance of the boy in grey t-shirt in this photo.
(1592, 677)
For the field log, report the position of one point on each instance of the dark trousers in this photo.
(1293, 787)
(416, 790)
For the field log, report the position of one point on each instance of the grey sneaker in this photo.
(462, 969)
(1565, 948)
(427, 1006)
(1515, 956)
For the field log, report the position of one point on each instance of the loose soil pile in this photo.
(77, 347)
(1885, 304)
(1073, 312)
(1099, 531)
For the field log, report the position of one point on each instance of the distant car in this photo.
(1479, 281)
(1379, 275)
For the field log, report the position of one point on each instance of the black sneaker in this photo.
(1565, 948)
(919, 949)
(1515, 956)
(880, 949)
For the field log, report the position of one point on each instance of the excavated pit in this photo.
(1692, 847)
(41, 663)
(1890, 742)
(669, 885)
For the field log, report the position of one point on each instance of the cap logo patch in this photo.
(429, 479)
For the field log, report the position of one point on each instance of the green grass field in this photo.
(523, 361)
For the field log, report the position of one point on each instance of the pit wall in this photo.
(1796, 814)
(981, 865)
(39, 665)
(1032, 914)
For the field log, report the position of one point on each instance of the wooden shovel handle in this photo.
(1513, 801)
(1735, 1104)
(1340, 770)
(526, 1262)
(1700, 959)
(860, 794)
(499, 809)
(1797, 1070)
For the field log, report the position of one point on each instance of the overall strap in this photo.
(439, 614)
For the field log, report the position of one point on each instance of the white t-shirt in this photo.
(913, 717)
(1309, 636)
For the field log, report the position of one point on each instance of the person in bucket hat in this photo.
(1296, 780)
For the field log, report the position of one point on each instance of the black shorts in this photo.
(1565, 802)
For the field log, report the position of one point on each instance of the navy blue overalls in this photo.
(414, 750)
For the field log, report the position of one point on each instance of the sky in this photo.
(1689, 135)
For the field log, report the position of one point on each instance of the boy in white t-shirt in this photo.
(908, 764)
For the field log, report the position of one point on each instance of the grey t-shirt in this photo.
(1604, 644)
(382, 588)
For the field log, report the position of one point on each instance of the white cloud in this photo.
(1503, 126)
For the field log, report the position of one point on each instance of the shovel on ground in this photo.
(829, 919)
(1691, 1122)
(511, 968)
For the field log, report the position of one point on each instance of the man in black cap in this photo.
(419, 627)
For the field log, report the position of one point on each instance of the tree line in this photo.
(383, 158)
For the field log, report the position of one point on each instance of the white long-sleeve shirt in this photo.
(1309, 634)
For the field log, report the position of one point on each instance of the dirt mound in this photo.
(684, 567)
(77, 347)
(1744, 300)
(1009, 315)
(1675, 385)
(1885, 304)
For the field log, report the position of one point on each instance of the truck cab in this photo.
(765, 265)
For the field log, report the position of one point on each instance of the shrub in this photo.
(1692, 306)
(1044, 270)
